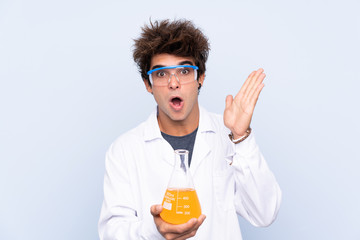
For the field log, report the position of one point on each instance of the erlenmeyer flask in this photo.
(180, 202)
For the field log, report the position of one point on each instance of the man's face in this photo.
(177, 102)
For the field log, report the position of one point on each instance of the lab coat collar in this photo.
(205, 123)
(201, 148)
(152, 129)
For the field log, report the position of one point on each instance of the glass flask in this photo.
(180, 202)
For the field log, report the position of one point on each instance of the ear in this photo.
(201, 79)
(147, 85)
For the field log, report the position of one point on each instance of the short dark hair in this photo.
(179, 37)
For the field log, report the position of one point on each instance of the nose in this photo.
(174, 81)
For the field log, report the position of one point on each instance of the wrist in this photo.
(239, 138)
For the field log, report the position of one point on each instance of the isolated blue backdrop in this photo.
(69, 87)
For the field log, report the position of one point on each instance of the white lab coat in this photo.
(138, 167)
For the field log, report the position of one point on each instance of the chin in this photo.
(177, 117)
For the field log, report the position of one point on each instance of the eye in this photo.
(160, 74)
(185, 71)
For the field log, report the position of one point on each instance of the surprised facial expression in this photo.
(176, 102)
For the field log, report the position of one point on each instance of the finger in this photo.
(228, 101)
(257, 80)
(196, 227)
(246, 83)
(178, 229)
(156, 210)
(186, 236)
(186, 227)
(252, 80)
(257, 83)
(190, 232)
(256, 95)
(201, 219)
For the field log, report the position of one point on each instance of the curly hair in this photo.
(179, 37)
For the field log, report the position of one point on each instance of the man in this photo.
(230, 175)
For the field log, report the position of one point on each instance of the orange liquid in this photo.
(180, 205)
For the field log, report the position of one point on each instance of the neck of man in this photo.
(179, 127)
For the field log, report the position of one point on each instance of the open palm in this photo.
(239, 110)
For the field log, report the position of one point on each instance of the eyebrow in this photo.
(187, 62)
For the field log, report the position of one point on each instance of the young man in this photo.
(230, 175)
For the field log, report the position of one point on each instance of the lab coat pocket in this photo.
(224, 188)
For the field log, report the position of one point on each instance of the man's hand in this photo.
(171, 231)
(239, 110)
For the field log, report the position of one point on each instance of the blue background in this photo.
(69, 87)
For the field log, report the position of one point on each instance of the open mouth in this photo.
(176, 103)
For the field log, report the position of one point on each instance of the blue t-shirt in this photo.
(182, 142)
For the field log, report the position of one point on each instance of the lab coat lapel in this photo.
(168, 152)
(201, 150)
(201, 147)
(152, 133)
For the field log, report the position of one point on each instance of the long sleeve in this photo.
(257, 193)
(120, 216)
(138, 167)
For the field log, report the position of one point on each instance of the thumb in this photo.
(228, 101)
(156, 209)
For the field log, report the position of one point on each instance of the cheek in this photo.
(158, 96)
(193, 93)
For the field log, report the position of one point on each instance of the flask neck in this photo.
(181, 177)
(182, 160)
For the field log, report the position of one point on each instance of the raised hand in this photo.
(171, 231)
(239, 110)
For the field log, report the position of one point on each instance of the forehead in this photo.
(165, 59)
